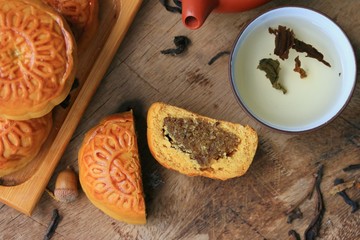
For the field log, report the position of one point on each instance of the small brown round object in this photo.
(66, 186)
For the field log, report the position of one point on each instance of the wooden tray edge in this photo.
(31, 195)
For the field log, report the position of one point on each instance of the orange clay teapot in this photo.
(195, 12)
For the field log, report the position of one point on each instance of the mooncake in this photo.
(197, 145)
(109, 169)
(21, 141)
(82, 16)
(37, 59)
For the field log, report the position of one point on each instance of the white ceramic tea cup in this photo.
(310, 102)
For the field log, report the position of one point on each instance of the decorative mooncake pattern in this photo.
(34, 57)
(20, 141)
(75, 11)
(111, 166)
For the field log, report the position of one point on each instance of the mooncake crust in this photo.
(109, 169)
(38, 59)
(21, 141)
(82, 16)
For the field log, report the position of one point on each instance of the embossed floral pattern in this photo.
(21, 140)
(75, 11)
(33, 55)
(111, 165)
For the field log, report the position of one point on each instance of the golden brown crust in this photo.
(20, 142)
(38, 59)
(109, 169)
(173, 158)
(82, 16)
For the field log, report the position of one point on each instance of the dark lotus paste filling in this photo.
(201, 139)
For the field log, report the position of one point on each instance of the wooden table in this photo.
(181, 207)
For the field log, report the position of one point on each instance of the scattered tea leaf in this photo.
(312, 230)
(294, 235)
(294, 211)
(64, 104)
(272, 67)
(341, 187)
(178, 3)
(352, 167)
(217, 56)
(354, 205)
(55, 219)
(75, 84)
(173, 9)
(294, 214)
(181, 43)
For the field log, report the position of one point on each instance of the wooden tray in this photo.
(23, 189)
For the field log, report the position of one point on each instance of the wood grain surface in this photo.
(181, 207)
(116, 17)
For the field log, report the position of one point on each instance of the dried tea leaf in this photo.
(54, 222)
(294, 235)
(341, 187)
(181, 43)
(295, 214)
(272, 67)
(313, 229)
(352, 167)
(354, 205)
(217, 56)
(170, 8)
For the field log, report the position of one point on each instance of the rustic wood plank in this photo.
(181, 207)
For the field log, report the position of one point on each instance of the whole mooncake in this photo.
(21, 141)
(82, 15)
(37, 59)
(109, 169)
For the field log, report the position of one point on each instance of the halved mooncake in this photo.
(20, 141)
(37, 59)
(197, 145)
(109, 169)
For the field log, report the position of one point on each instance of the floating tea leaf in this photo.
(299, 69)
(272, 67)
(181, 43)
(284, 40)
(312, 52)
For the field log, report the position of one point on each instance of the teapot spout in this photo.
(195, 12)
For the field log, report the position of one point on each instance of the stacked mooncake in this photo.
(37, 69)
